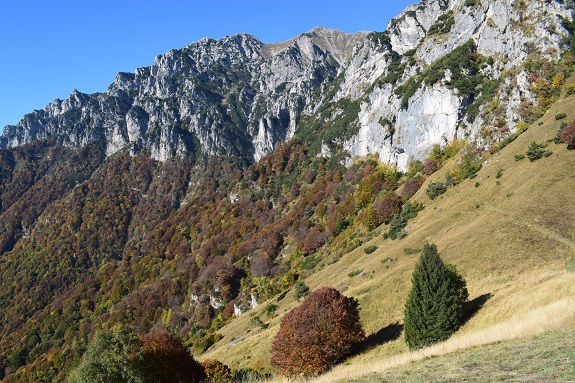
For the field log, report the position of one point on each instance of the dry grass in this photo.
(554, 316)
(509, 237)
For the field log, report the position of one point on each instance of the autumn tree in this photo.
(318, 333)
(387, 207)
(568, 135)
(167, 360)
(434, 306)
(217, 371)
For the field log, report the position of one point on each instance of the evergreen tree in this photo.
(434, 306)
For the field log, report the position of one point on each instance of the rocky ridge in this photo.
(238, 96)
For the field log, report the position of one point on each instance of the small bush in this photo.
(354, 273)
(410, 187)
(217, 371)
(560, 116)
(300, 289)
(317, 334)
(257, 322)
(396, 227)
(568, 135)
(271, 310)
(557, 139)
(435, 189)
(410, 250)
(370, 249)
(519, 157)
(409, 210)
(570, 265)
(535, 151)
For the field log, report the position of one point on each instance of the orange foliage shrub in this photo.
(216, 371)
(318, 333)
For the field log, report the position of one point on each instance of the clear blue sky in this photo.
(48, 48)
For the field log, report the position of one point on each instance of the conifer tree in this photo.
(434, 306)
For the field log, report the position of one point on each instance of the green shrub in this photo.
(354, 273)
(570, 265)
(300, 289)
(112, 356)
(271, 309)
(257, 322)
(519, 157)
(560, 116)
(434, 306)
(435, 189)
(557, 139)
(369, 249)
(396, 227)
(318, 333)
(410, 210)
(535, 151)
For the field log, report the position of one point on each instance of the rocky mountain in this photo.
(391, 93)
(256, 186)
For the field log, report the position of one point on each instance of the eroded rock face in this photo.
(506, 31)
(238, 96)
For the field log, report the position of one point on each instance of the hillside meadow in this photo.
(509, 231)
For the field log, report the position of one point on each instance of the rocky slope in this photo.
(238, 96)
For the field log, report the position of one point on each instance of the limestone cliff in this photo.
(394, 92)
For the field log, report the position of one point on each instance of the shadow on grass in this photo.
(386, 334)
(473, 306)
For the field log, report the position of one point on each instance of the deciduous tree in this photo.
(318, 333)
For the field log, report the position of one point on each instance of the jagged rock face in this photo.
(507, 31)
(235, 96)
(238, 96)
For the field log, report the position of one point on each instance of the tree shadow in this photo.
(386, 334)
(472, 307)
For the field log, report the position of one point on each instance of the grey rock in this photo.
(238, 96)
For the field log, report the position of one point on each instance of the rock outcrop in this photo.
(240, 97)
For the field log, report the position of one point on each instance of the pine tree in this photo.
(434, 306)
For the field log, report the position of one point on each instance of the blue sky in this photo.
(49, 48)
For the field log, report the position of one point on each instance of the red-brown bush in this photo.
(318, 333)
(167, 360)
(411, 186)
(568, 135)
(387, 207)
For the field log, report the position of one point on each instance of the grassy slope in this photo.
(509, 237)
